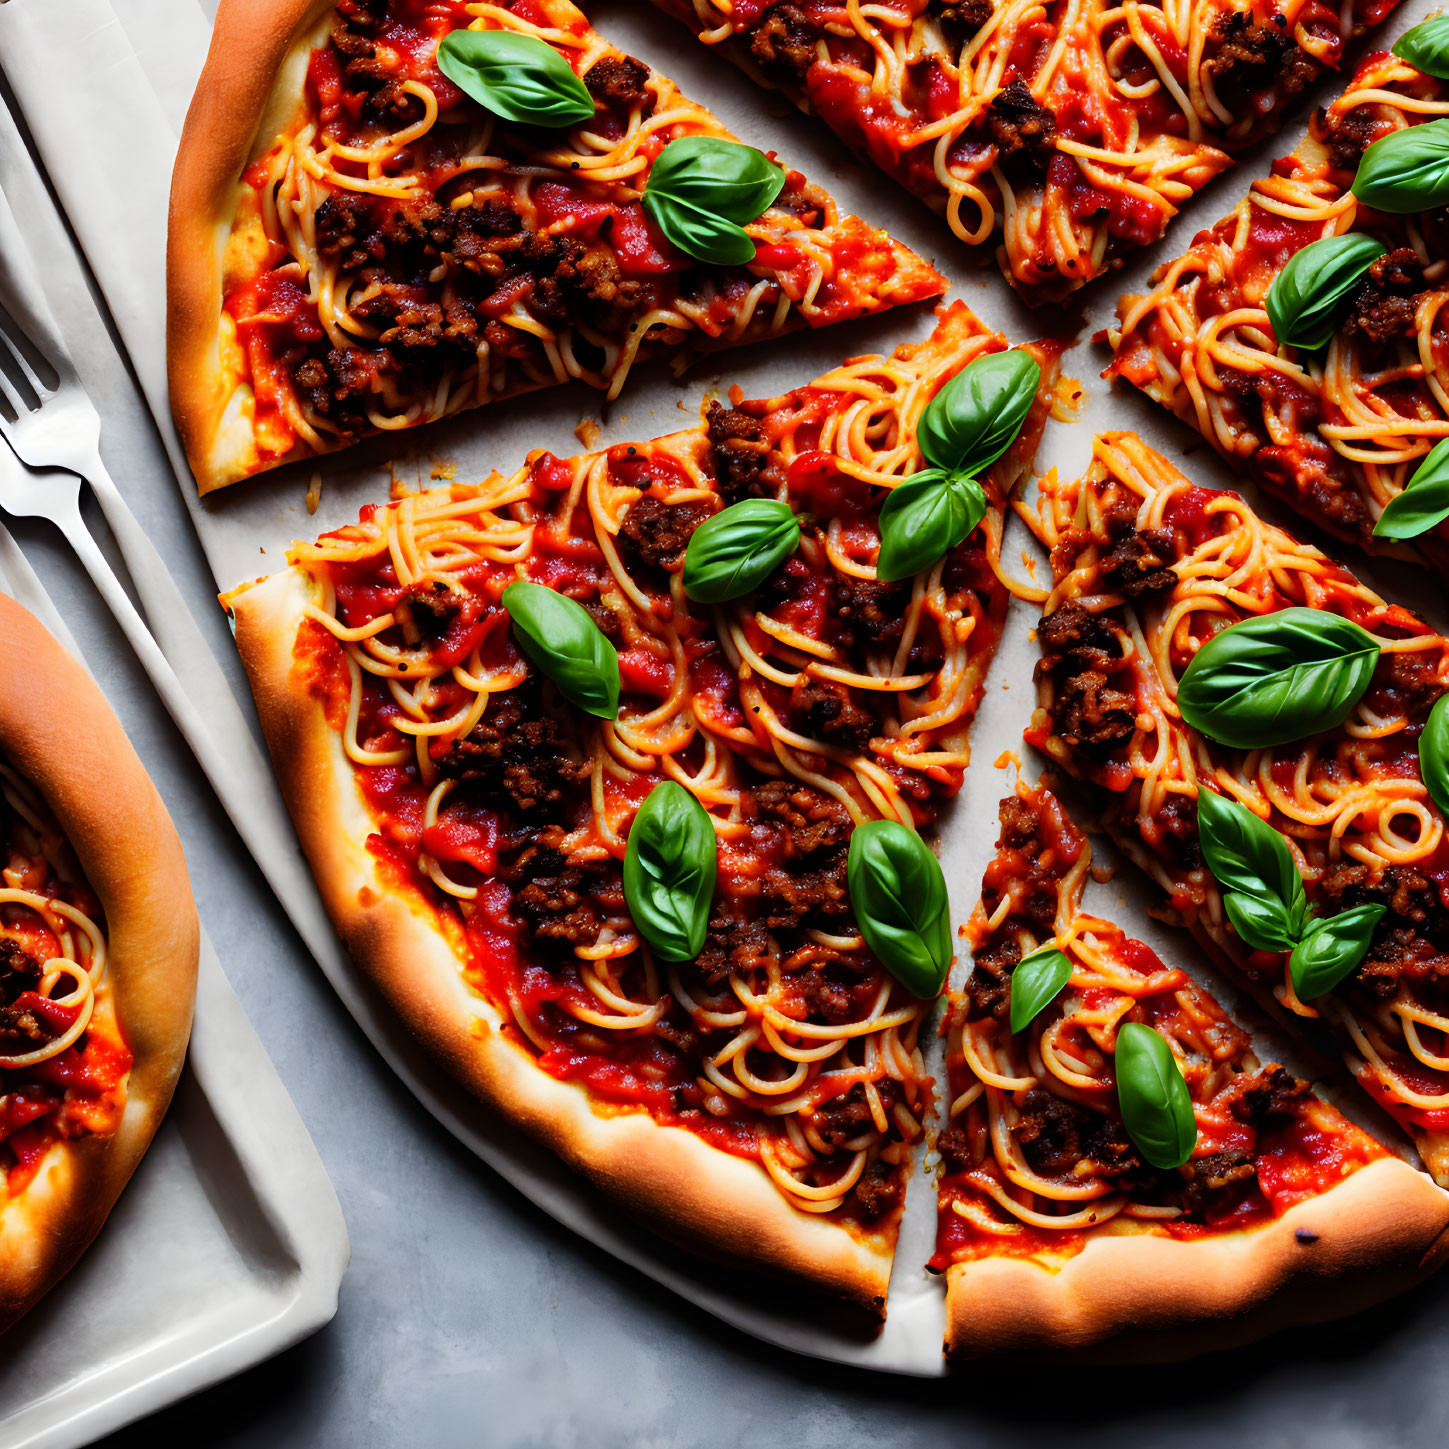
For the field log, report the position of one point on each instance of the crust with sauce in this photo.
(57, 731)
(707, 1200)
(1161, 1299)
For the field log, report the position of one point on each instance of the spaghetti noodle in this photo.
(1035, 1158)
(1146, 567)
(63, 1065)
(1336, 435)
(823, 700)
(1070, 132)
(399, 254)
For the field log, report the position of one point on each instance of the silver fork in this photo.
(51, 424)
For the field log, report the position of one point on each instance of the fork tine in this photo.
(14, 403)
(32, 365)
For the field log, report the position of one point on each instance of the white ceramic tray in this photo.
(227, 1246)
(140, 58)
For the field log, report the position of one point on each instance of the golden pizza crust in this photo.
(724, 1207)
(251, 89)
(1161, 1299)
(60, 734)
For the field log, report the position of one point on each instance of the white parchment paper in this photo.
(108, 138)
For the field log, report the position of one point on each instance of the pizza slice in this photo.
(471, 791)
(1337, 415)
(1187, 644)
(1066, 134)
(386, 211)
(1117, 1161)
(98, 949)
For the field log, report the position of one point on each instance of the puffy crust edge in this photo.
(249, 44)
(1160, 1299)
(724, 1207)
(58, 730)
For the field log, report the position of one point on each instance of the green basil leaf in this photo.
(562, 642)
(1406, 171)
(734, 552)
(976, 416)
(1153, 1097)
(1424, 503)
(929, 513)
(1245, 853)
(899, 897)
(1264, 922)
(1331, 948)
(1310, 295)
(1277, 677)
(703, 189)
(670, 863)
(518, 77)
(1426, 46)
(1434, 754)
(1035, 983)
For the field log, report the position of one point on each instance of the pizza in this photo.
(1335, 433)
(1067, 136)
(756, 1094)
(98, 951)
(1150, 571)
(360, 245)
(1057, 1230)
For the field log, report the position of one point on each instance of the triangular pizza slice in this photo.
(1117, 1160)
(384, 212)
(1066, 135)
(1193, 653)
(1336, 416)
(469, 807)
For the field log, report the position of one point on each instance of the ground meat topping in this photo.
(870, 608)
(784, 43)
(1022, 131)
(740, 450)
(1058, 1137)
(518, 758)
(1089, 711)
(1140, 563)
(732, 943)
(1387, 304)
(1250, 56)
(1265, 1097)
(619, 80)
(954, 1145)
(19, 972)
(1345, 137)
(959, 21)
(877, 1190)
(812, 819)
(1211, 1178)
(655, 534)
(821, 710)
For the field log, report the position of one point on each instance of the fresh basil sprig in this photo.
(1264, 898)
(1426, 46)
(1331, 948)
(899, 897)
(1153, 1098)
(1406, 171)
(562, 641)
(1035, 983)
(924, 517)
(1424, 502)
(976, 417)
(1310, 295)
(734, 552)
(670, 864)
(1277, 677)
(703, 189)
(1262, 890)
(1434, 754)
(518, 77)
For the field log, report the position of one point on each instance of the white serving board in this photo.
(226, 1247)
(140, 58)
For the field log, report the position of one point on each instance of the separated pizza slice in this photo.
(1301, 336)
(386, 211)
(1187, 644)
(1068, 135)
(593, 764)
(1118, 1161)
(98, 951)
